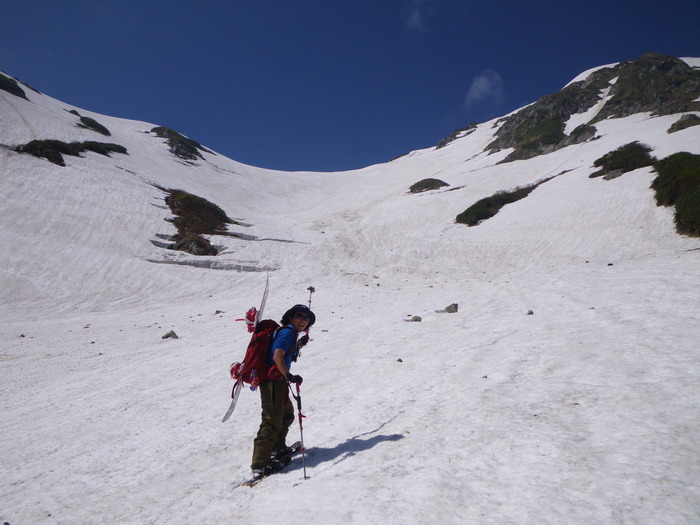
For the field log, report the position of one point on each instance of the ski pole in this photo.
(301, 428)
(311, 290)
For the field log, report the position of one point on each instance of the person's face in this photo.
(300, 321)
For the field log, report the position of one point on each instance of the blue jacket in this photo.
(285, 338)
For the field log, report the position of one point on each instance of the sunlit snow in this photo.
(564, 390)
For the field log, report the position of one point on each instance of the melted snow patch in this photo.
(588, 115)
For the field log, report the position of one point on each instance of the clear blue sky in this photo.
(324, 85)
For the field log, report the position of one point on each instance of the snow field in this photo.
(583, 412)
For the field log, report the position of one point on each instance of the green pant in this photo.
(277, 417)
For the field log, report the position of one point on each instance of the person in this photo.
(277, 415)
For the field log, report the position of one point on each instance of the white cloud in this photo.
(417, 11)
(487, 86)
(415, 19)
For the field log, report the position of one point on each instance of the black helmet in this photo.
(287, 317)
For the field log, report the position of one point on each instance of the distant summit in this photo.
(660, 85)
(653, 83)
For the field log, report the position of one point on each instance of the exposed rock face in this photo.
(456, 134)
(196, 245)
(11, 86)
(686, 121)
(652, 83)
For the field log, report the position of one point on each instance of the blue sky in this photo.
(324, 85)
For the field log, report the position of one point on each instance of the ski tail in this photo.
(235, 394)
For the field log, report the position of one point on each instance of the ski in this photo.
(235, 393)
(283, 463)
(239, 382)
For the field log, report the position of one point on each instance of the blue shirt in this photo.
(285, 338)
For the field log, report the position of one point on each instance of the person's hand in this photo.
(303, 340)
(294, 379)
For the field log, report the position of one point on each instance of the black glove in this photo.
(294, 379)
(303, 340)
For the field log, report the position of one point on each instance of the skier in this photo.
(269, 446)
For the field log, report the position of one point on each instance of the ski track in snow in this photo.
(584, 412)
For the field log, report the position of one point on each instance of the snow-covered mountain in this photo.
(563, 390)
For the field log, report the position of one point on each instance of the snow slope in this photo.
(584, 412)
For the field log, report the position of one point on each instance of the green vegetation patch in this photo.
(11, 86)
(490, 206)
(678, 184)
(427, 185)
(626, 158)
(53, 150)
(195, 214)
(195, 217)
(547, 132)
(89, 123)
(536, 139)
(180, 145)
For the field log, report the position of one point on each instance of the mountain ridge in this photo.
(154, 164)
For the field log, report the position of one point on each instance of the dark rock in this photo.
(686, 121)
(427, 185)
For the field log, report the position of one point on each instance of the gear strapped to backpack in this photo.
(255, 367)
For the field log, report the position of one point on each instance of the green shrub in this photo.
(103, 148)
(195, 214)
(687, 217)
(545, 133)
(11, 86)
(89, 123)
(678, 184)
(678, 174)
(53, 150)
(626, 158)
(490, 206)
(427, 185)
(180, 145)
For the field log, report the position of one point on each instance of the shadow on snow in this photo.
(318, 455)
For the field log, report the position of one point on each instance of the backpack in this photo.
(254, 367)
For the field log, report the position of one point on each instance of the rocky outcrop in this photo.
(653, 83)
(458, 133)
(180, 145)
(10, 85)
(686, 121)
